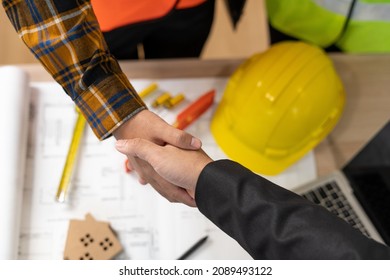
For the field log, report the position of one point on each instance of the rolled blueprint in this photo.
(14, 88)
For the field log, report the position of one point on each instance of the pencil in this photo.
(193, 248)
(71, 158)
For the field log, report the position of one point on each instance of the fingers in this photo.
(168, 190)
(180, 139)
(128, 166)
(149, 126)
(140, 148)
(173, 193)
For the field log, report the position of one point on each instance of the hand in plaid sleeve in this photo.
(66, 38)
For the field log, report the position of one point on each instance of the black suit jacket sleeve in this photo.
(270, 222)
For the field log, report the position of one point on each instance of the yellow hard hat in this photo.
(277, 106)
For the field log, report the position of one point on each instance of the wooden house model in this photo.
(90, 239)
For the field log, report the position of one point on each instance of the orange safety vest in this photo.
(112, 14)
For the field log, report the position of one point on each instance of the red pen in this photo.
(194, 110)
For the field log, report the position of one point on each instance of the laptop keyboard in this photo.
(330, 196)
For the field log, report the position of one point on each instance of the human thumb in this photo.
(123, 146)
(137, 147)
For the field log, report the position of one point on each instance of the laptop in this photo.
(359, 193)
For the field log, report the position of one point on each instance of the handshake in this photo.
(173, 171)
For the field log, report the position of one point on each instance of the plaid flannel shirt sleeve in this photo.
(65, 37)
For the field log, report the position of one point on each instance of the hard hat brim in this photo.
(250, 158)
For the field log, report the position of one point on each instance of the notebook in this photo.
(360, 192)
(14, 116)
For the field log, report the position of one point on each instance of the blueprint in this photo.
(148, 226)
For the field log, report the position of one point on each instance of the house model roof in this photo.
(90, 239)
